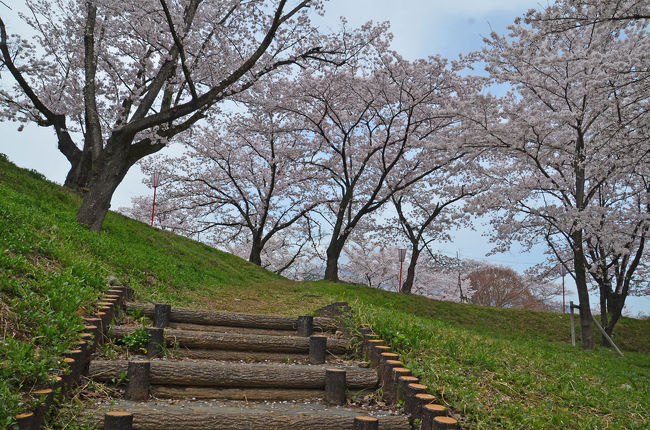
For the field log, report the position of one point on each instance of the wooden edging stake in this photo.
(445, 423)
(139, 379)
(317, 349)
(402, 387)
(26, 421)
(118, 420)
(422, 399)
(156, 341)
(389, 385)
(335, 386)
(161, 315)
(305, 325)
(366, 423)
(383, 358)
(410, 402)
(429, 413)
(44, 399)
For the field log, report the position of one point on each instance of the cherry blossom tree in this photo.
(566, 15)
(117, 80)
(429, 209)
(243, 180)
(575, 125)
(370, 262)
(371, 127)
(445, 278)
(616, 249)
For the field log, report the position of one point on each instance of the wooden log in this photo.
(139, 374)
(110, 313)
(429, 412)
(105, 322)
(239, 342)
(43, 402)
(396, 373)
(245, 394)
(26, 421)
(383, 357)
(243, 356)
(118, 420)
(90, 342)
(226, 329)
(250, 419)
(317, 349)
(422, 399)
(97, 333)
(161, 315)
(79, 364)
(445, 423)
(97, 322)
(370, 351)
(68, 379)
(388, 383)
(156, 342)
(305, 325)
(234, 319)
(366, 423)
(377, 350)
(411, 403)
(402, 387)
(335, 386)
(365, 351)
(216, 374)
(120, 293)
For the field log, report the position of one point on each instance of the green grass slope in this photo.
(496, 368)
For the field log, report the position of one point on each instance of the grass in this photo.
(495, 368)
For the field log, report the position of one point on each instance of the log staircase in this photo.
(222, 370)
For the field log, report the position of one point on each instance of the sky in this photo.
(420, 28)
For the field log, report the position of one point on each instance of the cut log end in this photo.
(335, 386)
(118, 420)
(445, 423)
(366, 423)
(138, 373)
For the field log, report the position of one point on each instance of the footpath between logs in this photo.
(223, 370)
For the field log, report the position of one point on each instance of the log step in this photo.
(239, 415)
(233, 319)
(244, 394)
(238, 342)
(237, 375)
(241, 356)
(230, 329)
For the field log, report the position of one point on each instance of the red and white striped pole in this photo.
(563, 304)
(155, 181)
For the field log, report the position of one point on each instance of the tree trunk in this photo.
(255, 256)
(333, 254)
(586, 326)
(79, 175)
(615, 303)
(407, 286)
(604, 296)
(108, 173)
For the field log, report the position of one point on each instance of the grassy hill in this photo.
(497, 368)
